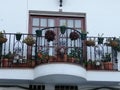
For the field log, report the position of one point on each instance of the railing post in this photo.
(118, 58)
(36, 51)
(82, 53)
(0, 53)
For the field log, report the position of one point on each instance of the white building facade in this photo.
(96, 17)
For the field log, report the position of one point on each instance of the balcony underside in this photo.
(60, 79)
(60, 73)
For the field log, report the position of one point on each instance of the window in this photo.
(37, 87)
(39, 20)
(66, 87)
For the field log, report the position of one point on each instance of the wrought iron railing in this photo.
(58, 44)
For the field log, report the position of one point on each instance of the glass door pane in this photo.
(62, 22)
(78, 23)
(51, 22)
(43, 22)
(35, 22)
(70, 23)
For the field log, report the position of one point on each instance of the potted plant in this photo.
(113, 43)
(31, 63)
(29, 40)
(70, 57)
(50, 35)
(61, 53)
(106, 59)
(100, 39)
(3, 38)
(6, 59)
(75, 54)
(89, 64)
(98, 64)
(43, 57)
(74, 35)
(18, 36)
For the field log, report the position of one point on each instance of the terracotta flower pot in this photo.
(5, 62)
(108, 65)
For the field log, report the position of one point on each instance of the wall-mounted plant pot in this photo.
(39, 33)
(100, 40)
(18, 37)
(83, 36)
(62, 29)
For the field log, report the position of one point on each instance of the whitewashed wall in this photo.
(103, 16)
(13, 15)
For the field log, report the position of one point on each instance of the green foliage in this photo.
(42, 56)
(1, 35)
(117, 48)
(75, 53)
(106, 57)
(9, 55)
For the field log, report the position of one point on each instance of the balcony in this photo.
(54, 45)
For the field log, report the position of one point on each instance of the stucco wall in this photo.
(102, 15)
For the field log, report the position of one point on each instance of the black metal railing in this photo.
(58, 44)
(102, 53)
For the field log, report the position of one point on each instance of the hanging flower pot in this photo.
(18, 36)
(90, 42)
(100, 40)
(39, 33)
(74, 36)
(3, 38)
(29, 40)
(50, 35)
(62, 29)
(83, 36)
(113, 43)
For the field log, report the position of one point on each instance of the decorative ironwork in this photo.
(72, 51)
